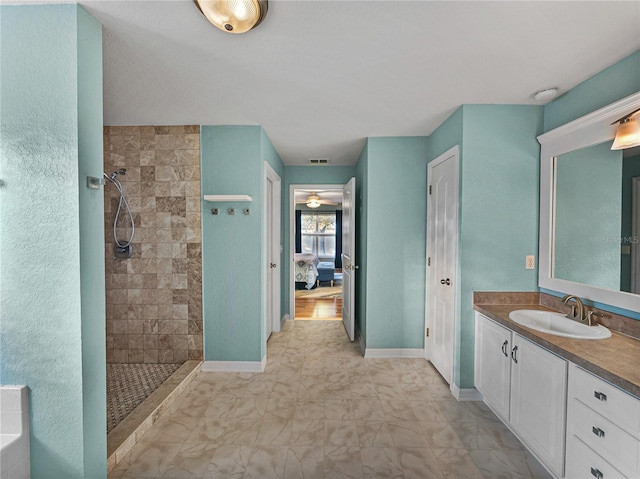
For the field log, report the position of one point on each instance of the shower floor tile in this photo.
(130, 384)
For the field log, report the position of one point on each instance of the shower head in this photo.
(120, 171)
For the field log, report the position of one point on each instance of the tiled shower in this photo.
(154, 298)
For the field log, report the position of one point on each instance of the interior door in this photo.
(349, 266)
(272, 202)
(442, 234)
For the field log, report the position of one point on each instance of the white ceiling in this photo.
(321, 76)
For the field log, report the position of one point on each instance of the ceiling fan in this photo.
(314, 201)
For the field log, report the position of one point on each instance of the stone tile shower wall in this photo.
(154, 299)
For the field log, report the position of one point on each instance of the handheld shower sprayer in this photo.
(119, 171)
(121, 249)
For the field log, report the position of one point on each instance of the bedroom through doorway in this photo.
(317, 236)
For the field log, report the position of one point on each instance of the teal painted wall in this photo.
(303, 175)
(270, 155)
(630, 169)
(499, 211)
(498, 215)
(447, 135)
(396, 245)
(232, 245)
(362, 208)
(51, 239)
(588, 225)
(233, 248)
(612, 84)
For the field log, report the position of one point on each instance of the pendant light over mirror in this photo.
(628, 132)
(234, 16)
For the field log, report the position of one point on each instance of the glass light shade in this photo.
(313, 204)
(234, 16)
(627, 135)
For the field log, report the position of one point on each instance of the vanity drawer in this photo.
(609, 401)
(584, 463)
(603, 436)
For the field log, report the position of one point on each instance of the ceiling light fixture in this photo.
(545, 95)
(234, 16)
(628, 132)
(313, 201)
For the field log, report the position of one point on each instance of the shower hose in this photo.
(123, 201)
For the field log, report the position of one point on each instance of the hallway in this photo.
(321, 410)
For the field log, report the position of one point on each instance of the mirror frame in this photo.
(585, 131)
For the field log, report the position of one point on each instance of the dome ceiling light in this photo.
(234, 16)
(546, 94)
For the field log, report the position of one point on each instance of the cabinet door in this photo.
(492, 364)
(538, 401)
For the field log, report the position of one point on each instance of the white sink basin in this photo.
(557, 324)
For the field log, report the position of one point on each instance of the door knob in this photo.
(272, 265)
(445, 281)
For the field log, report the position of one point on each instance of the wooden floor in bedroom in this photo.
(319, 308)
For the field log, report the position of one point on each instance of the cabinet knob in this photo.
(596, 473)
(599, 395)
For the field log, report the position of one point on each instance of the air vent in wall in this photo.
(318, 161)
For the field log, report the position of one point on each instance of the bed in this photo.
(306, 269)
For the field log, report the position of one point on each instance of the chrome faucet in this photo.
(577, 310)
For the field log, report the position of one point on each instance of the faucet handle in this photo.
(572, 314)
(590, 317)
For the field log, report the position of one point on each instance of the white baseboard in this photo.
(234, 366)
(469, 394)
(284, 319)
(394, 353)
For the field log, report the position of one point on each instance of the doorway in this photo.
(316, 239)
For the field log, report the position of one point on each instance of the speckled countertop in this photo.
(616, 359)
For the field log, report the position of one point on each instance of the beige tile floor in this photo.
(320, 410)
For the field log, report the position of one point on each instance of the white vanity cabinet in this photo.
(493, 365)
(603, 429)
(526, 385)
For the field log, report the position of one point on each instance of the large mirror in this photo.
(595, 215)
(590, 210)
